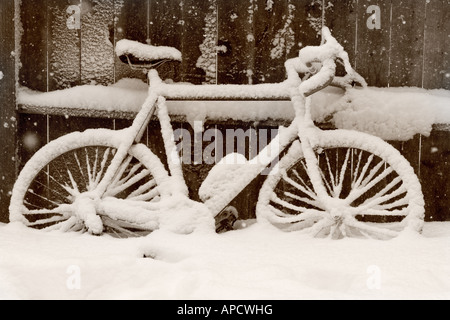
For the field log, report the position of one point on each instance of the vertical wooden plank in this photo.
(410, 150)
(197, 166)
(341, 18)
(33, 73)
(307, 23)
(8, 116)
(32, 135)
(193, 21)
(164, 23)
(373, 44)
(437, 42)
(282, 28)
(131, 22)
(165, 29)
(97, 41)
(435, 172)
(407, 30)
(274, 39)
(64, 44)
(236, 33)
(206, 61)
(155, 142)
(59, 126)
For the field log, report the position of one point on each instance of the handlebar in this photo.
(326, 54)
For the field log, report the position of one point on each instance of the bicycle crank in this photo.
(85, 209)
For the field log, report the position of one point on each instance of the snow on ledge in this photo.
(390, 113)
(146, 52)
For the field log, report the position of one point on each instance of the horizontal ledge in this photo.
(75, 112)
(130, 115)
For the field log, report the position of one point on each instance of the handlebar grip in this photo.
(327, 54)
(320, 80)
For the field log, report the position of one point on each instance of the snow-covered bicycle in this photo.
(329, 183)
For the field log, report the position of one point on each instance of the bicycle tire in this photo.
(372, 190)
(75, 164)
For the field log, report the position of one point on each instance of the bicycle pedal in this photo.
(225, 219)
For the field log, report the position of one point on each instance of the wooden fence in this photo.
(64, 43)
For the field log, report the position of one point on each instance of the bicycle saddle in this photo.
(138, 54)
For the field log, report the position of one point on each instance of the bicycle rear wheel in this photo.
(372, 190)
(51, 186)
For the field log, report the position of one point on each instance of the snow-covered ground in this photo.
(258, 262)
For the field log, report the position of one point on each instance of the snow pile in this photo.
(146, 52)
(1, 75)
(256, 263)
(230, 168)
(185, 216)
(390, 113)
(125, 95)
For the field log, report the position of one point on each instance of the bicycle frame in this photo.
(156, 103)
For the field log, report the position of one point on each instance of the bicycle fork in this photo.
(306, 130)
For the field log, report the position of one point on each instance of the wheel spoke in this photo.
(382, 197)
(145, 192)
(326, 183)
(305, 200)
(89, 171)
(75, 189)
(357, 193)
(363, 171)
(352, 222)
(381, 212)
(64, 226)
(42, 222)
(302, 181)
(121, 170)
(390, 206)
(330, 172)
(80, 168)
(281, 217)
(374, 171)
(52, 191)
(116, 189)
(340, 185)
(103, 165)
(94, 168)
(308, 192)
(43, 198)
(320, 226)
(287, 205)
(133, 170)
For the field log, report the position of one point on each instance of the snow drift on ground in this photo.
(258, 262)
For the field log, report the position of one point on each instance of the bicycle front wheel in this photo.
(372, 190)
(47, 192)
